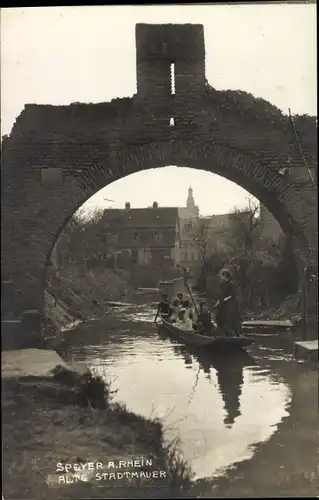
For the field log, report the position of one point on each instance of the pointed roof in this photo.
(190, 198)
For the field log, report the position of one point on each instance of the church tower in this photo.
(190, 204)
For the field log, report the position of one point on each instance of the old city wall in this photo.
(57, 157)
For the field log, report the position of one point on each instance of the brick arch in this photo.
(44, 211)
(57, 157)
(266, 185)
(270, 188)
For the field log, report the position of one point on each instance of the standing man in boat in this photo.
(228, 317)
(163, 307)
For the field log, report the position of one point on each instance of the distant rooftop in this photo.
(142, 217)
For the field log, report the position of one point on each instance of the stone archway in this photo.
(57, 157)
(40, 222)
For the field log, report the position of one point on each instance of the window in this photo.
(134, 255)
(158, 236)
(172, 78)
(114, 237)
(135, 236)
(172, 122)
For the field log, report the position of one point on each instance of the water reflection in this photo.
(219, 406)
(229, 370)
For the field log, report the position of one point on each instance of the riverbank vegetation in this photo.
(70, 419)
(266, 270)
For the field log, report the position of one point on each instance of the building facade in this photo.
(143, 235)
(218, 229)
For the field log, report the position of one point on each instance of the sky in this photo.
(59, 55)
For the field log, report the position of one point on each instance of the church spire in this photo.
(190, 198)
(191, 208)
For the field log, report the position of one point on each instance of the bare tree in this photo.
(83, 240)
(243, 244)
(94, 238)
(245, 228)
(197, 231)
(62, 251)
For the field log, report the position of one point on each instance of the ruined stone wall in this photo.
(59, 156)
(50, 171)
(157, 49)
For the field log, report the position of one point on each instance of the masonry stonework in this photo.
(57, 157)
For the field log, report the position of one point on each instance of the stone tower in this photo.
(190, 203)
(170, 70)
(191, 210)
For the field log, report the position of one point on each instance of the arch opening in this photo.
(288, 225)
(127, 206)
(85, 178)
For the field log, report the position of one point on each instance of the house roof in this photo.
(146, 222)
(160, 217)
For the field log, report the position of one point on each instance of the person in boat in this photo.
(228, 317)
(180, 298)
(200, 307)
(163, 307)
(174, 310)
(185, 317)
(185, 271)
(193, 312)
(204, 321)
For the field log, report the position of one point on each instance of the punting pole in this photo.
(184, 274)
(304, 312)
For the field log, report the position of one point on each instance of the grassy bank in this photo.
(76, 295)
(51, 420)
(84, 291)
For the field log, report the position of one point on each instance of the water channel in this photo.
(221, 407)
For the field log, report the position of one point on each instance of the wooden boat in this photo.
(194, 339)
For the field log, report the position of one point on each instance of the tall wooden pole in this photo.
(304, 313)
(190, 293)
(186, 274)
